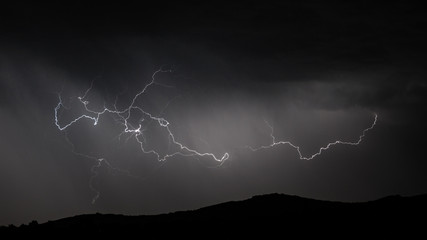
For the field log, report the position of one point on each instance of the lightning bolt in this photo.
(137, 132)
(274, 143)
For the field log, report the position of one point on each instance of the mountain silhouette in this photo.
(265, 214)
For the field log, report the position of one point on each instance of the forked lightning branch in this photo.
(124, 115)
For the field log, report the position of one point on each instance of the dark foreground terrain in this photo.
(266, 215)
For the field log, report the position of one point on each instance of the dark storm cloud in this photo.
(316, 72)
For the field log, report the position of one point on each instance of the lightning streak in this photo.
(138, 132)
(328, 146)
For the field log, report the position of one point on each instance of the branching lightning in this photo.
(122, 117)
(274, 143)
(137, 132)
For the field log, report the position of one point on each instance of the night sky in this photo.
(315, 72)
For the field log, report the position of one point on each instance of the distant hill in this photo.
(266, 214)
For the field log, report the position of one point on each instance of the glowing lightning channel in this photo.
(329, 145)
(122, 117)
(137, 132)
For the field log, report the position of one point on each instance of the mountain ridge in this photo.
(271, 211)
